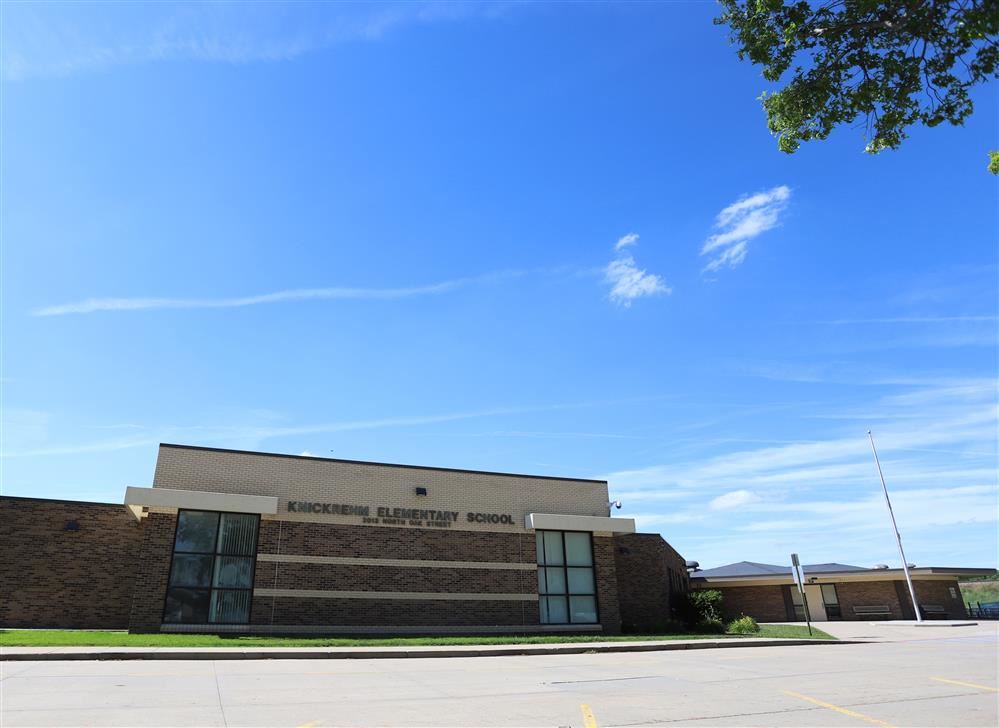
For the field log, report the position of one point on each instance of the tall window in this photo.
(211, 576)
(567, 590)
(831, 601)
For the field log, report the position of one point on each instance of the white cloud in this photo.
(742, 221)
(45, 42)
(735, 499)
(626, 240)
(93, 305)
(627, 280)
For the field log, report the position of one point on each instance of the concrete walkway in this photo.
(903, 630)
(37, 654)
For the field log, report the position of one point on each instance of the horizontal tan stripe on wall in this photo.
(415, 563)
(416, 596)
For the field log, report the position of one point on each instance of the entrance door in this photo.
(816, 605)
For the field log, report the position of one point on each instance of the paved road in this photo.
(927, 677)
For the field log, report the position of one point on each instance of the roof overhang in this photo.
(137, 498)
(561, 522)
(926, 573)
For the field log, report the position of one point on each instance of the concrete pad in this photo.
(926, 623)
(932, 681)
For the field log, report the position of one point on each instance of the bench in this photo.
(933, 611)
(873, 611)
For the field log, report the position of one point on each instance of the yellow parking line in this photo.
(588, 720)
(965, 684)
(844, 711)
(310, 724)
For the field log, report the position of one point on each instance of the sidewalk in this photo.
(904, 631)
(368, 653)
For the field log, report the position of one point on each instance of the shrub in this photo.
(744, 625)
(707, 604)
(710, 626)
(698, 608)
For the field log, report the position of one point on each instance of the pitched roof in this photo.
(752, 568)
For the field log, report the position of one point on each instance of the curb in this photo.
(276, 653)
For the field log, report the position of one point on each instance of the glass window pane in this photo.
(556, 581)
(796, 596)
(196, 531)
(542, 582)
(540, 545)
(186, 606)
(237, 533)
(233, 571)
(581, 581)
(577, 549)
(584, 610)
(231, 607)
(829, 594)
(191, 570)
(557, 611)
(543, 606)
(553, 547)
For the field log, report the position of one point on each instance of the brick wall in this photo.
(938, 593)
(645, 564)
(155, 555)
(377, 485)
(282, 541)
(763, 603)
(51, 577)
(869, 594)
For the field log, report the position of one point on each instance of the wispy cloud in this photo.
(742, 221)
(94, 305)
(54, 41)
(627, 280)
(626, 240)
(937, 442)
(247, 433)
(735, 499)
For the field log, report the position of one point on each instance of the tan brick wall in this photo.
(644, 564)
(51, 577)
(376, 485)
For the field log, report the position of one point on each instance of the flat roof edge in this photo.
(372, 462)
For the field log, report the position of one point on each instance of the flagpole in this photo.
(898, 536)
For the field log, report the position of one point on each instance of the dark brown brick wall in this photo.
(393, 578)
(763, 603)
(938, 593)
(312, 539)
(51, 577)
(645, 564)
(869, 594)
(319, 539)
(391, 612)
(156, 553)
(606, 575)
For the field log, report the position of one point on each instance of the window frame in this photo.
(214, 554)
(564, 568)
(833, 609)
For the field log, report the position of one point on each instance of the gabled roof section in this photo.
(752, 568)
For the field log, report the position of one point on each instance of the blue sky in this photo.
(541, 238)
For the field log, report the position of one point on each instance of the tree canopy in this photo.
(887, 65)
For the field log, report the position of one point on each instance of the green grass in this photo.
(84, 638)
(979, 591)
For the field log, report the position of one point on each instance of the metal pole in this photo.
(898, 536)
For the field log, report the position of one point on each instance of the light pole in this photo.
(898, 536)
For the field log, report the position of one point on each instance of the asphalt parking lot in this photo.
(924, 677)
